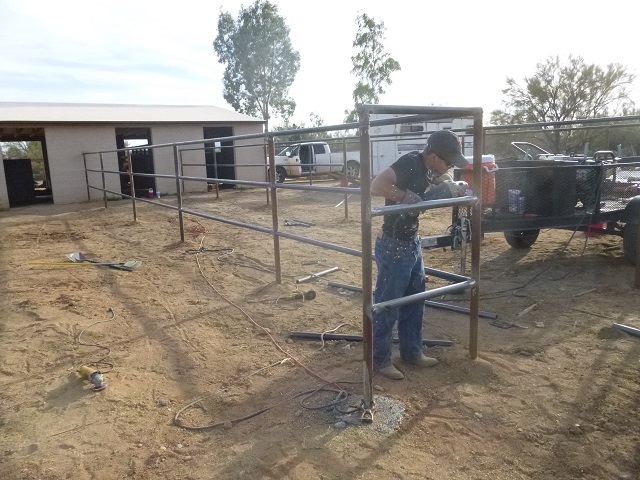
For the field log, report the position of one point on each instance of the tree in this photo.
(371, 64)
(314, 121)
(261, 63)
(566, 91)
(19, 150)
(28, 151)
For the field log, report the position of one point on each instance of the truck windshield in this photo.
(289, 152)
(530, 149)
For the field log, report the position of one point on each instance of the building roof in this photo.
(28, 112)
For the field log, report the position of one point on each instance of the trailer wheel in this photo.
(353, 169)
(281, 174)
(630, 241)
(521, 238)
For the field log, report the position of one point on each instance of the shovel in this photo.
(129, 265)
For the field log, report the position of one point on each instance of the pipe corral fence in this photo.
(184, 172)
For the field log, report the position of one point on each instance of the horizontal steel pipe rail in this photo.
(248, 136)
(427, 205)
(228, 221)
(319, 243)
(419, 297)
(319, 189)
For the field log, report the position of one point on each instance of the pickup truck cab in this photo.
(306, 158)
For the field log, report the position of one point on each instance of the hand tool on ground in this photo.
(129, 265)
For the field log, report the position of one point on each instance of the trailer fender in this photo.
(632, 211)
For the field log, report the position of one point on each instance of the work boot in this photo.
(390, 372)
(422, 361)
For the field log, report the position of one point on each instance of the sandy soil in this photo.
(555, 396)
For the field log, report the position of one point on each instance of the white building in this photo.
(67, 131)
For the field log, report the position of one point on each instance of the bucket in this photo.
(488, 178)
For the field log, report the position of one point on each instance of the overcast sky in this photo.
(455, 53)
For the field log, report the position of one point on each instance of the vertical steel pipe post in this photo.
(267, 170)
(133, 186)
(104, 185)
(86, 176)
(367, 281)
(346, 177)
(180, 163)
(177, 166)
(215, 169)
(476, 234)
(274, 206)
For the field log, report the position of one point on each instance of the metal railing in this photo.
(266, 141)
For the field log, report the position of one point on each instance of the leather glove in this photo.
(410, 197)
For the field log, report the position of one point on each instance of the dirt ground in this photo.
(556, 395)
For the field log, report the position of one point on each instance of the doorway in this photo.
(219, 156)
(141, 160)
(26, 166)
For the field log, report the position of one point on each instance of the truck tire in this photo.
(522, 238)
(281, 174)
(353, 169)
(630, 241)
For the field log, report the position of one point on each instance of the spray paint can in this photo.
(514, 201)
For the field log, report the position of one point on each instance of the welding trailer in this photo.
(598, 196)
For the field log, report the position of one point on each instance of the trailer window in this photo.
(410, 147)
(411, 128)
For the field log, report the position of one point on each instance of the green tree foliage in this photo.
(261, 63)
(372, 65)
(314, 121)
(570, 90)
(26, 150)
(17, 150)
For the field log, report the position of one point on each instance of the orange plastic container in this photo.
(488, 178)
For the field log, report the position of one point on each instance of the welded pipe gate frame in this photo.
(403, 114)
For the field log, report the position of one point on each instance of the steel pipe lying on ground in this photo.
(626, 328)
(358, 338)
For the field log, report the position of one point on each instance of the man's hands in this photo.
(457, 189)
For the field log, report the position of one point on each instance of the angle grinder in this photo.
(93, 376)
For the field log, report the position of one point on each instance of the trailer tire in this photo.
(281, 174)
(353, 169)
(522, 238)
(630, 241)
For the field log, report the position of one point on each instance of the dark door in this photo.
(305, 158)
(141, 160)
(19, 177)
(219, 156)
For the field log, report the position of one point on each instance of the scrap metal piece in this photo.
(298, 223)
(313, 276)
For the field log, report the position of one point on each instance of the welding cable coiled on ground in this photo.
(341, 394)
(101, 361)
(340, 398)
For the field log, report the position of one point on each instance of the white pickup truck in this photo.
(314, 157)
